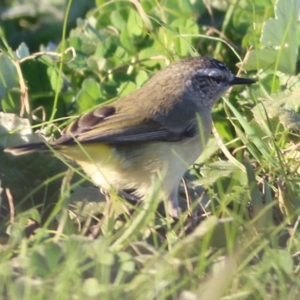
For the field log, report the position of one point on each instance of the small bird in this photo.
(154, 133)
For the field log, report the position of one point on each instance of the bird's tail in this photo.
(25, 149)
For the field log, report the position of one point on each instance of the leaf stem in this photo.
(63, 47)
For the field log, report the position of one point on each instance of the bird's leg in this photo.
(173, 205)
(106, 195)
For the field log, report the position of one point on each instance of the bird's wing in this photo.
(106, 125)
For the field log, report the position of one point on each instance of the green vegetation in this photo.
(239, 237)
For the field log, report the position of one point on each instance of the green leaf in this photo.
(280, 32)
(8, 75)
(126, 88)
(39, 265)
(22, 51)
(85, 39)
(79, 62)
(280, 45)
(126, 41)
(283, 107)
(141, 78)
(268, 59)
(256, 198)
(134, 23)
(55, 78)
(20, 128)
(286, 261)
(117, 20)
(252, 136)
(183, 41)
(11, 102)
(96, 63)
(213, 171)
(91, 287)
(209, 150)
(53, 254)
(126, 262)
(36, 74)
(89, 95)
(191, 244)
(185, 6)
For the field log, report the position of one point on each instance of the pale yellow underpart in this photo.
(126, 167)
(132, 167)
(138, 165)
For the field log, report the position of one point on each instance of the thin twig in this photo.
(11, 205)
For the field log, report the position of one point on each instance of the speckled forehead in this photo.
(212, 67)
(219, 65)
(211, 71)
(202, 66)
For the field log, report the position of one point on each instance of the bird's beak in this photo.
(239, 80)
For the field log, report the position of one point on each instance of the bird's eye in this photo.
(218, 79)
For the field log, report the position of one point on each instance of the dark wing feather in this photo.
(107, 125)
